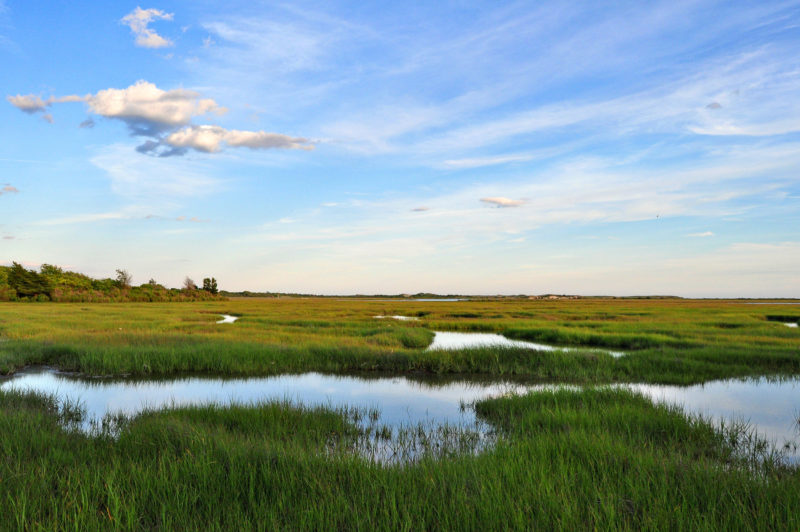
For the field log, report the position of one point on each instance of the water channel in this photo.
(772, 407)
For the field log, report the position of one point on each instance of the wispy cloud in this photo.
(138, 21)
(154, 179)
(701, 235)
(747, 92)
(590, 193)
(8, 189)
(83, 218)
(500, 201)
(32, 104)
(182, 218)
(477, 162)
(210, 139)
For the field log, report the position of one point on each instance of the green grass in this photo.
(566, 460)
(592, 459)
(667, 341)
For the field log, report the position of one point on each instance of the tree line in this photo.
(53, 283)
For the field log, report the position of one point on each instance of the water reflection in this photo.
(771, 406)
(401, 401)
(458, 340)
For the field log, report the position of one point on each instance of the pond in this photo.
(458, 340)
(770, 406)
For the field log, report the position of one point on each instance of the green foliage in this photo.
(210, 285)
(54, 283)
(6, 292)
(123, 279)
(28, 283)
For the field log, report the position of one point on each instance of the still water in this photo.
(772, 407)
(458, 340)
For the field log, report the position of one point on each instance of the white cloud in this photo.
(701, 235)
(210, 139)
(138, 20)
(581, 194)
(755, 92)
(28, 103)
(503, 202)
(476, 162)
(144, 106)
(156, 113)
(32, 103)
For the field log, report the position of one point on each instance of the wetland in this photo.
(312, 413)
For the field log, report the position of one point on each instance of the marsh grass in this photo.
(563, 459)
(666, 341)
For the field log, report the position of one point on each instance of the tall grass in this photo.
(595, 459)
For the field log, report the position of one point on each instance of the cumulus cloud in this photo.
(503, 202)
(701, 235)
(166, 117)
(138, 21)
(8, 189)
(28, 103)
(209, 139)
(148, 110)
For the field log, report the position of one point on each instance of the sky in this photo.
(596, 148)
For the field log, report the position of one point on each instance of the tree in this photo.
(123, 279)
(188, 284)
(51, 270)
(210, 285)
(27, 283)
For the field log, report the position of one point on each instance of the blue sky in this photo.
(450, 147)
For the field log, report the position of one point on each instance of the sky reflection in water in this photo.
(770, 406)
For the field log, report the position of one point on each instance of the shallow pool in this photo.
(771, 406)
(459, 340)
